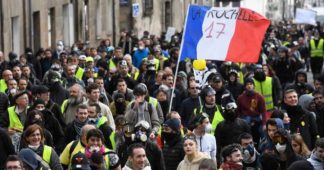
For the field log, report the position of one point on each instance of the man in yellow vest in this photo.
(6, 75)
(75, 146)
(209, 107)
(113, 62)
(16, 115)
(316, 53)
(265, 86)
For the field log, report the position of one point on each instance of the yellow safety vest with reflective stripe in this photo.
(153, 101)
(112, 65)
(3, 86)
(107, 161)
(64, 104)
(79, 73)
(265, 89)
(218, 117)
(317, 51)
(14, 121)
(102, 120)
(47, 152)
(112, 140)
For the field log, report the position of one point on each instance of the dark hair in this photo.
(319, 143)
(269, 161)
(166, 75)
(244, 135)
(82, 106)
(95, 133)
(207, 164)
(190, 136)
(317, 92)
(278, 114)
(121, 80)
(272, 122)
(131, 148)
(96, 105)
(229, 149)
(91, 87)
(14, 158)
(30, 117)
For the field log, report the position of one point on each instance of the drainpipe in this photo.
(1, 27)
(114, 22)
(31, 36)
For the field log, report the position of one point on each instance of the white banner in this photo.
(305, 16)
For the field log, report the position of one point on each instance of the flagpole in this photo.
(177, 67)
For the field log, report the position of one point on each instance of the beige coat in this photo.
(185, 164)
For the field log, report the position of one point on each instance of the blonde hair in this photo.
(304, 151)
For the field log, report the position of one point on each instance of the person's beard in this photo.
(120, 108)
(75, 100)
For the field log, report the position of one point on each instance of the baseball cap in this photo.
(89, 59)
(82, 57)
(79, 162)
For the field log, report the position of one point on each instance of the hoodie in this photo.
(266, 142)
(301, 87)
(185, 164)
(304, 101)
(317, 164)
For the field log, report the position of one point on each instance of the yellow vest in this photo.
(112, 65)
(14, 121)
(317, 51)
(153, 101)
(265, 89)
(218, 117)
(64, 105)
(3, 86)
(79, 73)
(47, 152)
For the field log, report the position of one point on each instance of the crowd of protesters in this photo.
(109, 107)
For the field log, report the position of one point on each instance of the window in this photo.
(148, 7)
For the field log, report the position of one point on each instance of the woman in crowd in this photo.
(299, 146)
(34, 138)
(193, 157)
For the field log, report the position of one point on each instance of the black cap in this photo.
(79, 162)
(20, 94)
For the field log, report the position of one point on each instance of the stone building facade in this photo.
(41, 23)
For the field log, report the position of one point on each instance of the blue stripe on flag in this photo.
(193, 31)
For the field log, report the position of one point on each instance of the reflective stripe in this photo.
(47, 152)
(317, 51)
(3, 86)
(112, 140)
(64, 104)
(265, 89)
(79, 73)
(14, 121)
(136, 75)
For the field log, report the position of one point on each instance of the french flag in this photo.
(224, 34)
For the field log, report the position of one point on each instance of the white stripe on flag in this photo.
(217, 35)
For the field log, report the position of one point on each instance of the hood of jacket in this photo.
(305, 100)
(301, 71)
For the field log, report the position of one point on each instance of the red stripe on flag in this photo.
(246, 42)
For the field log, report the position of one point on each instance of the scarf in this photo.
(77, 127)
